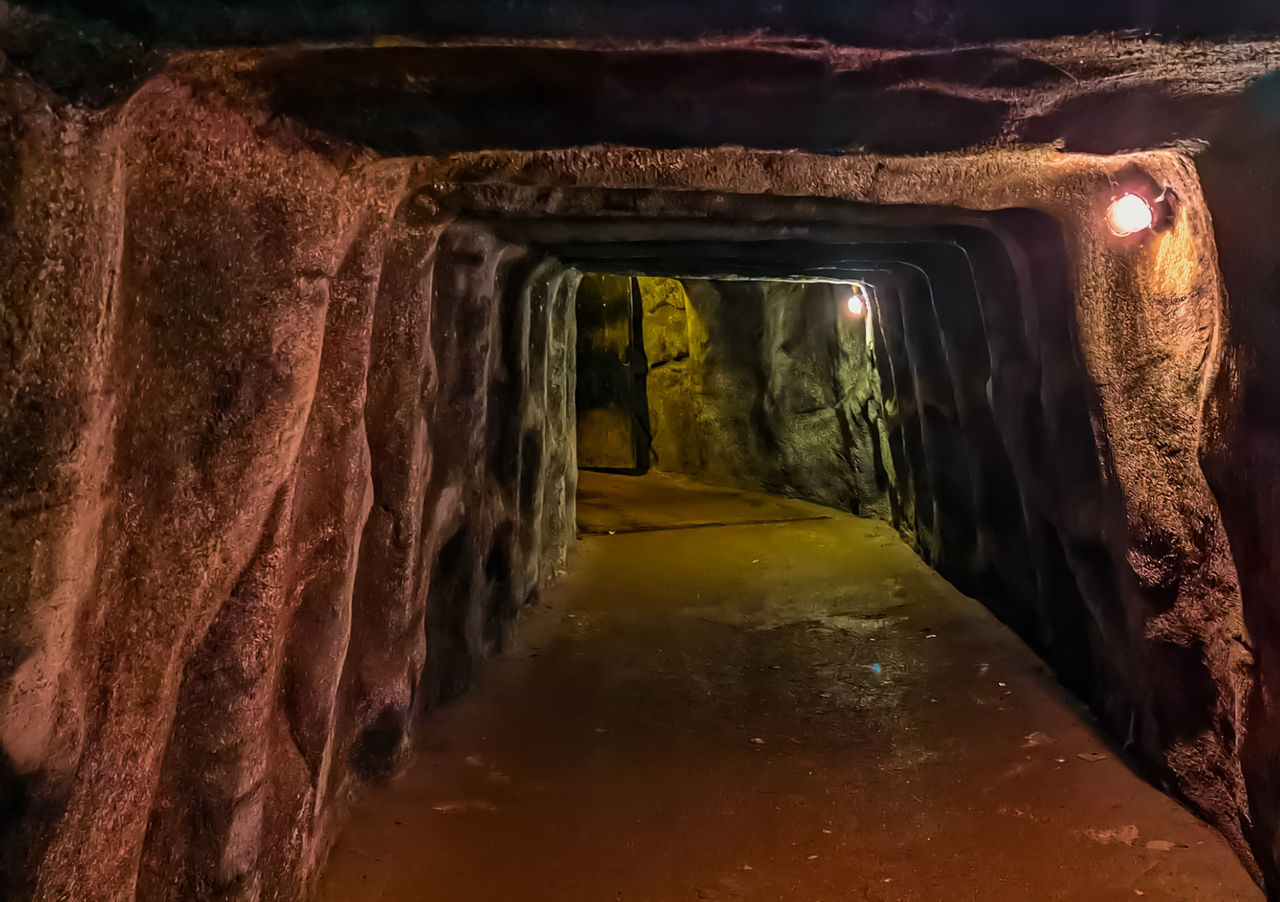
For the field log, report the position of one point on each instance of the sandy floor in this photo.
(739, 697)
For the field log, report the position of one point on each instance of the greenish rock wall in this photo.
(766, 385)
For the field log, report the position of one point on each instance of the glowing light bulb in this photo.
(857, 301)
(1128, 214)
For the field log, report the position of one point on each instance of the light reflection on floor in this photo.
(787, 706)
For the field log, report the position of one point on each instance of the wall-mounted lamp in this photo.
(857, 303)
(1129, 214)
(1140, 204)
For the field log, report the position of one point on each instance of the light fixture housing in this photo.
(1129, 214)
(1139, 205)
(857, 303)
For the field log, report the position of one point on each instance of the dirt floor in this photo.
(732, 696)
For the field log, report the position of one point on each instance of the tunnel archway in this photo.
(289, 387)
(949, 454)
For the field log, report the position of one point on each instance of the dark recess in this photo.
(917, 23)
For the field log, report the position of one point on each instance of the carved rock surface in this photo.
(764, 385)
(278, 470)
(286, 427)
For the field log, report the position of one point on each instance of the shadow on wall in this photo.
(612, 401)
(1241, 440)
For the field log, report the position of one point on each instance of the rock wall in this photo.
(277, 467)
(1240, 447)
(279, 464)
(928, 23)
(765, 385)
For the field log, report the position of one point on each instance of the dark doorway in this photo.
(612, 397)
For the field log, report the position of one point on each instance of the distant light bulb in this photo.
(857, 301)
(1128, 214)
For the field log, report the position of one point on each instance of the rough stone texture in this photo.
(671, 403)
(764, 385)
(610, 373)
(278, 469)
(275, 464)
(1099, 94)
(928, 23)
(1241, 444)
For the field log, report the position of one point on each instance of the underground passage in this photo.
(585, 453)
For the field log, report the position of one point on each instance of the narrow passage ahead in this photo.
(734, 696)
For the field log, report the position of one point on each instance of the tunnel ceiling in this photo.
(834, 257)
(909, 23)
(403, 96)
(413, 99)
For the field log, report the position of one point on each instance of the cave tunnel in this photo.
(483, 451)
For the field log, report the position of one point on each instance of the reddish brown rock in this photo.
(237, 486)
(286, 428)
